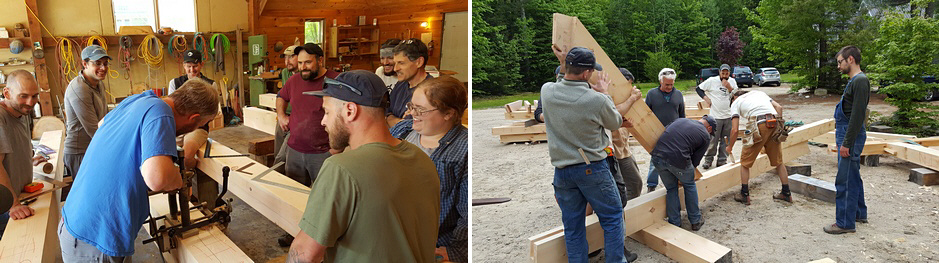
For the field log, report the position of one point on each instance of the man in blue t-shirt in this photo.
(132, 152)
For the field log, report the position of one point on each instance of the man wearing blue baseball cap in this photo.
(85, 106)
(377, 201)
(577, 116)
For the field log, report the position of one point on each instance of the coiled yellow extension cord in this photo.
(146, 51)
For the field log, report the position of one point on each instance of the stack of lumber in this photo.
(524, 128)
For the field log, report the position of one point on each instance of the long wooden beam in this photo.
(41, 70)
(209, 244)
(281, 205)
(569, 32)
(646, 209)
(682, 246)
(34, 239)
(917, 154)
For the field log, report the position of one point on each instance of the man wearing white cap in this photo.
(85, 106)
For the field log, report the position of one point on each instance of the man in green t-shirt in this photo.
(379, 200)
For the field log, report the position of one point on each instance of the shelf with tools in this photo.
(5, 42)
(353, 41)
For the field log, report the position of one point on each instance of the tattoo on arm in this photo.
(294, 256)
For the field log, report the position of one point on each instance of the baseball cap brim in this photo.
(98, 57)
(323, 93)
(597, 67)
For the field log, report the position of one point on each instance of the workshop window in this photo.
(313, 32)
(177, 14)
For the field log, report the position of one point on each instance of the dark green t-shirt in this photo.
(377, 203)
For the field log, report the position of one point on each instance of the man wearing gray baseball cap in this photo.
(85, 106)
(380, 198)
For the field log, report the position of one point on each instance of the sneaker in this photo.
(285, 240)
(781, 196)
(835, 230)
(630, 256)
(861, 220)
(706, 165)
(651, 188)
(742, 199)
(696, 227)
(719, 163)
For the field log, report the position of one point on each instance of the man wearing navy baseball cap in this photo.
(677, 152)
(85, 106)
(192, 64)
(577, 116)
(380, 198)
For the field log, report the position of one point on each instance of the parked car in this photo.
(930, 95)
(765, 76)
(743, 75)
(707, 73)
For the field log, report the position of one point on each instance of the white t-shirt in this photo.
(719, 95)
(389, 80)
(754, 103)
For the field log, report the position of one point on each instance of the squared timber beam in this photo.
(260, 119)
(680, 245)
(569, 32)
(646, 209)
(281, 205)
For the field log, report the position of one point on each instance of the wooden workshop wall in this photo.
(283, 21)
(95, 17)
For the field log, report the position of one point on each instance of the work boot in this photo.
(696, 227)
(781, 196)
(285, 240)
(720, 163)
(651, 188)
(861, 220)
(706, 165)
(835, 230)
(745, 199)
(630, 256)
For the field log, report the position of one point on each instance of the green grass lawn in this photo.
(790, 77)
(486, 102)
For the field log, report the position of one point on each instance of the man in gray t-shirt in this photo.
(85, 106)
(20, 95)
(668, 105)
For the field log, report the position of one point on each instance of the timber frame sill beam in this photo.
(649, 209)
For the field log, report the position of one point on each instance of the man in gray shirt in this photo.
(668, 105)
(576, 119)
(20, 96)
(85, 106)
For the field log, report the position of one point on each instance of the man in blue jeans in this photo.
(850, 114)
(676, 154)
(577, 116)
(668, 105)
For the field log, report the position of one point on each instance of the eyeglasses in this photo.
(417, 111)
(841, 60)
(344, 85)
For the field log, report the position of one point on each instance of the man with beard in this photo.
(410, 57)
(308, 145)
(20, 95)
(378, 201)
(850, 136)
(280, 136)
(85, 106)
(132, 153)
(387, 69)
